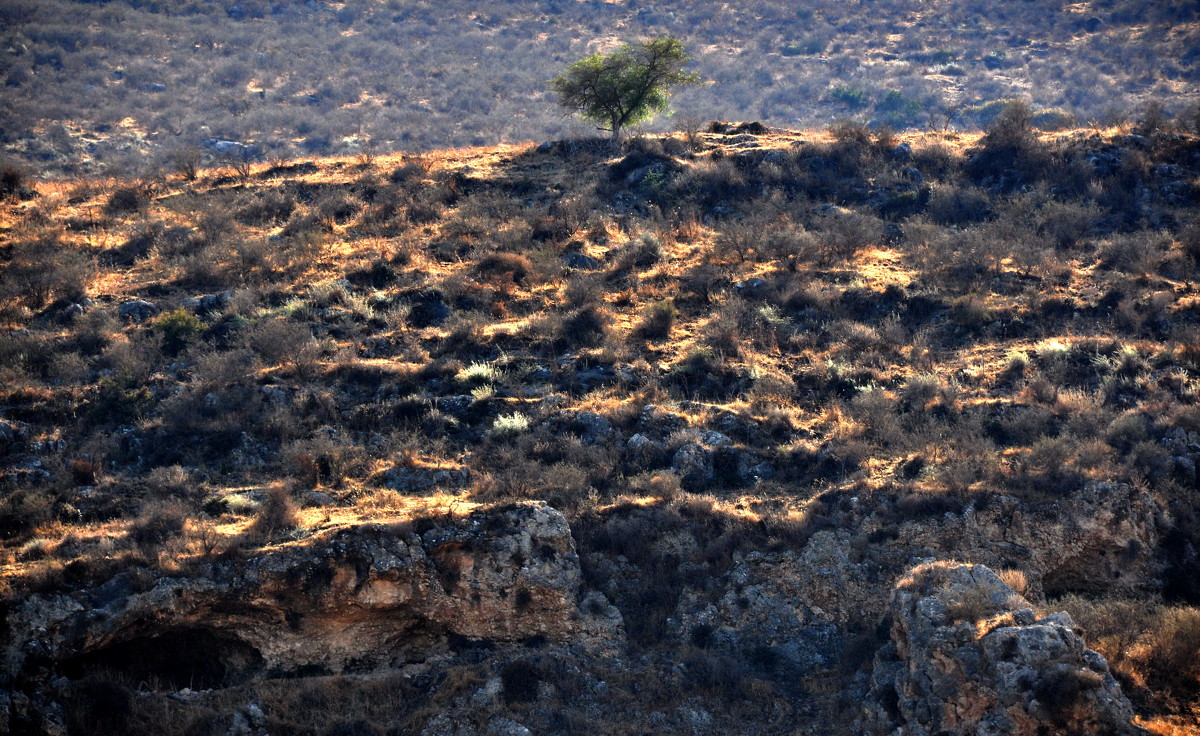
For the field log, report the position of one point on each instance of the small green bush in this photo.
(851, 97)
(898, 109)
(121, 398)
(178, 328)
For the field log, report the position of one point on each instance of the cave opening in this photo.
(199, 659)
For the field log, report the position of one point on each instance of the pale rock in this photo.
(967, 657)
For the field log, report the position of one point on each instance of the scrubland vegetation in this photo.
(92, 87)
(698, 346)
(270, 271)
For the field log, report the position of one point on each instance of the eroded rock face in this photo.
(969, 656)
(1102, 537)
(360, 598)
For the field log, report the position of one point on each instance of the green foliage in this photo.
(178, 328)
(895, 108)
(851, 97)
(805, 47)
(122, 398)
(626, 87)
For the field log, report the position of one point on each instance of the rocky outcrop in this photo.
(969, 656)
(350, 601)
(1101, 537)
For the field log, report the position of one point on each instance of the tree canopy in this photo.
(627, 86)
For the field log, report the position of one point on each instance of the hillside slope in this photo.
(760, 373)
(90, 87)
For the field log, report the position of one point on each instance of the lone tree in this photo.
(627, 86)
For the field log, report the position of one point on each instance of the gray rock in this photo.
(714, 439)
(440, 725)
(580, 261)
(694, 464)
(275, 395)
(504, 727)
(70, 313)
(254, 713)
(750, 286)
(640, 442)
(1185, 467)
(319, 499)
(489, 694)
(696, 718)
(968, 657)
(456, 406)
(138, 310)
(422, 479)
(595, 427)
(758, 471)
(207, 302)
(656, 419)
(239, 725)
(227, 147)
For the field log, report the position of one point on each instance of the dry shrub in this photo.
(657, 321)
(737, 241)
(158, 523)
(173, 480)
(505, 266)
(13, 177)
(279, 342)
(336, 208)
(1169, 657)
(641, 253)
(843, 232)
(958, 205)
(1154, 650)
(128, 199)
(585, 327)
(325, 460)
(43, 269)
(85, 472)
(276, 515)
(1015, 579)
(267, 208)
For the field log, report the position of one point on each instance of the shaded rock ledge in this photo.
(353, 600)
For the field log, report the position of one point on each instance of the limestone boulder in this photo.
(969, 656)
